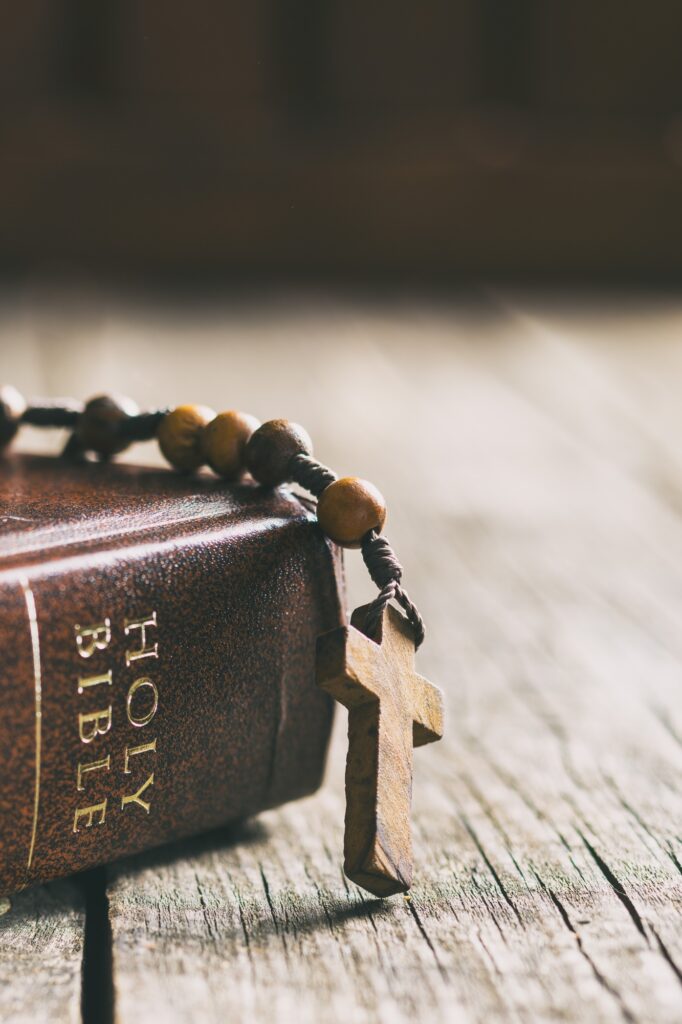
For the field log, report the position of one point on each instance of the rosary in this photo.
(367, 666)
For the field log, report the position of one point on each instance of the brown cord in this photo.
(380, 558)
(311, 474)
(386, 572)
(63, 413)
(144, 426)
(66, 413)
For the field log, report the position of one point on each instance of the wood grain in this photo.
(538, 513)
(41, 950)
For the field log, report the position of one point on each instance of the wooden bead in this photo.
(12, 406)
(179, 435)
(99, 425)
(224, 439)
(348, 509)
(272, 448)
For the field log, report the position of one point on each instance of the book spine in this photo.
(152, 692)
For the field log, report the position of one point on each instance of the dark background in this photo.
(433, 139)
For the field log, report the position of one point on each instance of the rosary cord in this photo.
(311, 474)
(386, 572)
(381, 561)
(64, 413)
(144, 426)
(67, 413)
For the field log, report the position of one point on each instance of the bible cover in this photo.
(158, 647)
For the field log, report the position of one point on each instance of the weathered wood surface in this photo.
(41, 953)
(529, 451)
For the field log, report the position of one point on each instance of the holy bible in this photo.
(158, 659)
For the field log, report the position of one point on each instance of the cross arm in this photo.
(347, 664)
(427, 713)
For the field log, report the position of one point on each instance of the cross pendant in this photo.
(390, 710)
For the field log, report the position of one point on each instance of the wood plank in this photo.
(41, 952)
(525, 502)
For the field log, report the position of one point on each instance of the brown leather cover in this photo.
(241, 581)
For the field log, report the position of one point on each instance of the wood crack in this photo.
(488, 907)
(494, 821)
(271, 906)
(599, 977)
(210, 927)
(491, 868)
(320, 899)
(666, 954)
(245, 930)
(425, 935)
(479, 936)
(514, 786)
(617, 887)
(636, 816)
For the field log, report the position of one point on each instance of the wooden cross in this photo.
(390, 710)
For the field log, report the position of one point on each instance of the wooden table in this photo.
(529, 448)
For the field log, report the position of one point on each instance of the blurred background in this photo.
(437, 140)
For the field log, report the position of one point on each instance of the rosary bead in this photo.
(99, 425)
(224, 439)
(271, 449)
(12, 407)
(179, 435)
(348, 509)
